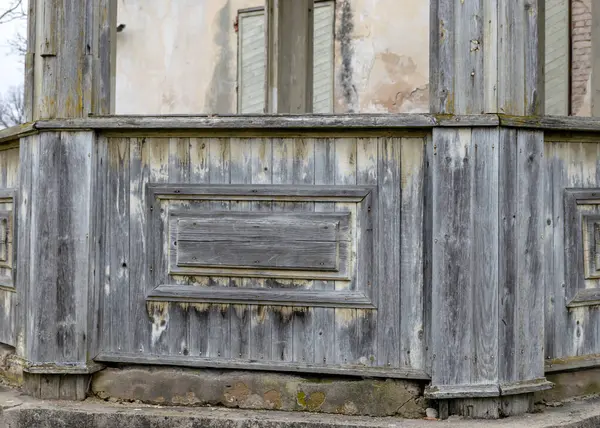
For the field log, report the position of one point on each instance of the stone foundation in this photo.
(257, 390)
(11, 369)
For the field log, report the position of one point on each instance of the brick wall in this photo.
(581, 32)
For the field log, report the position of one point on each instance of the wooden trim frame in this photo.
(8, 282)
(580, 251)
(271, 366)
(162, 206)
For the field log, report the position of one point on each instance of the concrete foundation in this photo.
(569, 385)
(17, 411)
(261, 391)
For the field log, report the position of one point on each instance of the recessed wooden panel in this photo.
(191, 241)
(265, 240)
(582, 246)
(5, 236)
(7, 246)
(591, 246)
(260, 254)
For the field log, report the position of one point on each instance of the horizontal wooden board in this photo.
(295, 193)
(266, 254)
(281, 366)
(262, 296)
(244, 226)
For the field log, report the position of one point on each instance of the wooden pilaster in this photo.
(69, 74)
(487, 269)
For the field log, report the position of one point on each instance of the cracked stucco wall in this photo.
(180, 57)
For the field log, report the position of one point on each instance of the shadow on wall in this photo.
(219, 98)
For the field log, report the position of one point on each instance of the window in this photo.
(252, 60)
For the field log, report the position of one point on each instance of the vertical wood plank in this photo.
(484, 274)
(468, 51)
(157, 317)
(390, 215)
(531, 266)
(59, 254)
(198, 316)
(282, 339)
(452, 292)
(116, 281)
(261, 321)
(367, 279)
(140, 284)
(412, 325)
(442, 62)
(242, 151)
(346, 320)
(507, 263)
(303, 349)
(177, 330)
(219, 338)
(24, 232)
(324, 318)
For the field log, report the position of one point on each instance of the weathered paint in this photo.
(186, 51)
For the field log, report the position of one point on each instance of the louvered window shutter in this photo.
(251, 60)
(557, 57)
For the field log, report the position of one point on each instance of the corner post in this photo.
(487, 56)
(69, 74)
(289, 36)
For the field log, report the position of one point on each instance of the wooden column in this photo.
(487, 226)
(289, 27)
(69, 75)
(70, 60)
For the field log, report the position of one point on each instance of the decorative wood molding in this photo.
(582, 246)
(8, 239)
(195, 242)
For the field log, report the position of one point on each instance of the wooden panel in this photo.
(265, 254)
(215, 226)
(9, 181)
(59, 247)
(465, 257)
(290, 187)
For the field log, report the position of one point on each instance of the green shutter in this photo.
(251, 60)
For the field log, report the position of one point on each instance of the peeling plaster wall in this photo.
(180, 57)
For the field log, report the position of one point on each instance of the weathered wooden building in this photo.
(456, 251)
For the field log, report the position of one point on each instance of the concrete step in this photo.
(20, 411)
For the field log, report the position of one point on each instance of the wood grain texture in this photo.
(224, 315)
(465, 256)
(452, 293)
(522, 268)
(487, 57)
(58, 248)
(9, 182)
(63, 34)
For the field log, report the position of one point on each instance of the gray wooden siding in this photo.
(571, 327)
(145, 310)
(9, 182)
